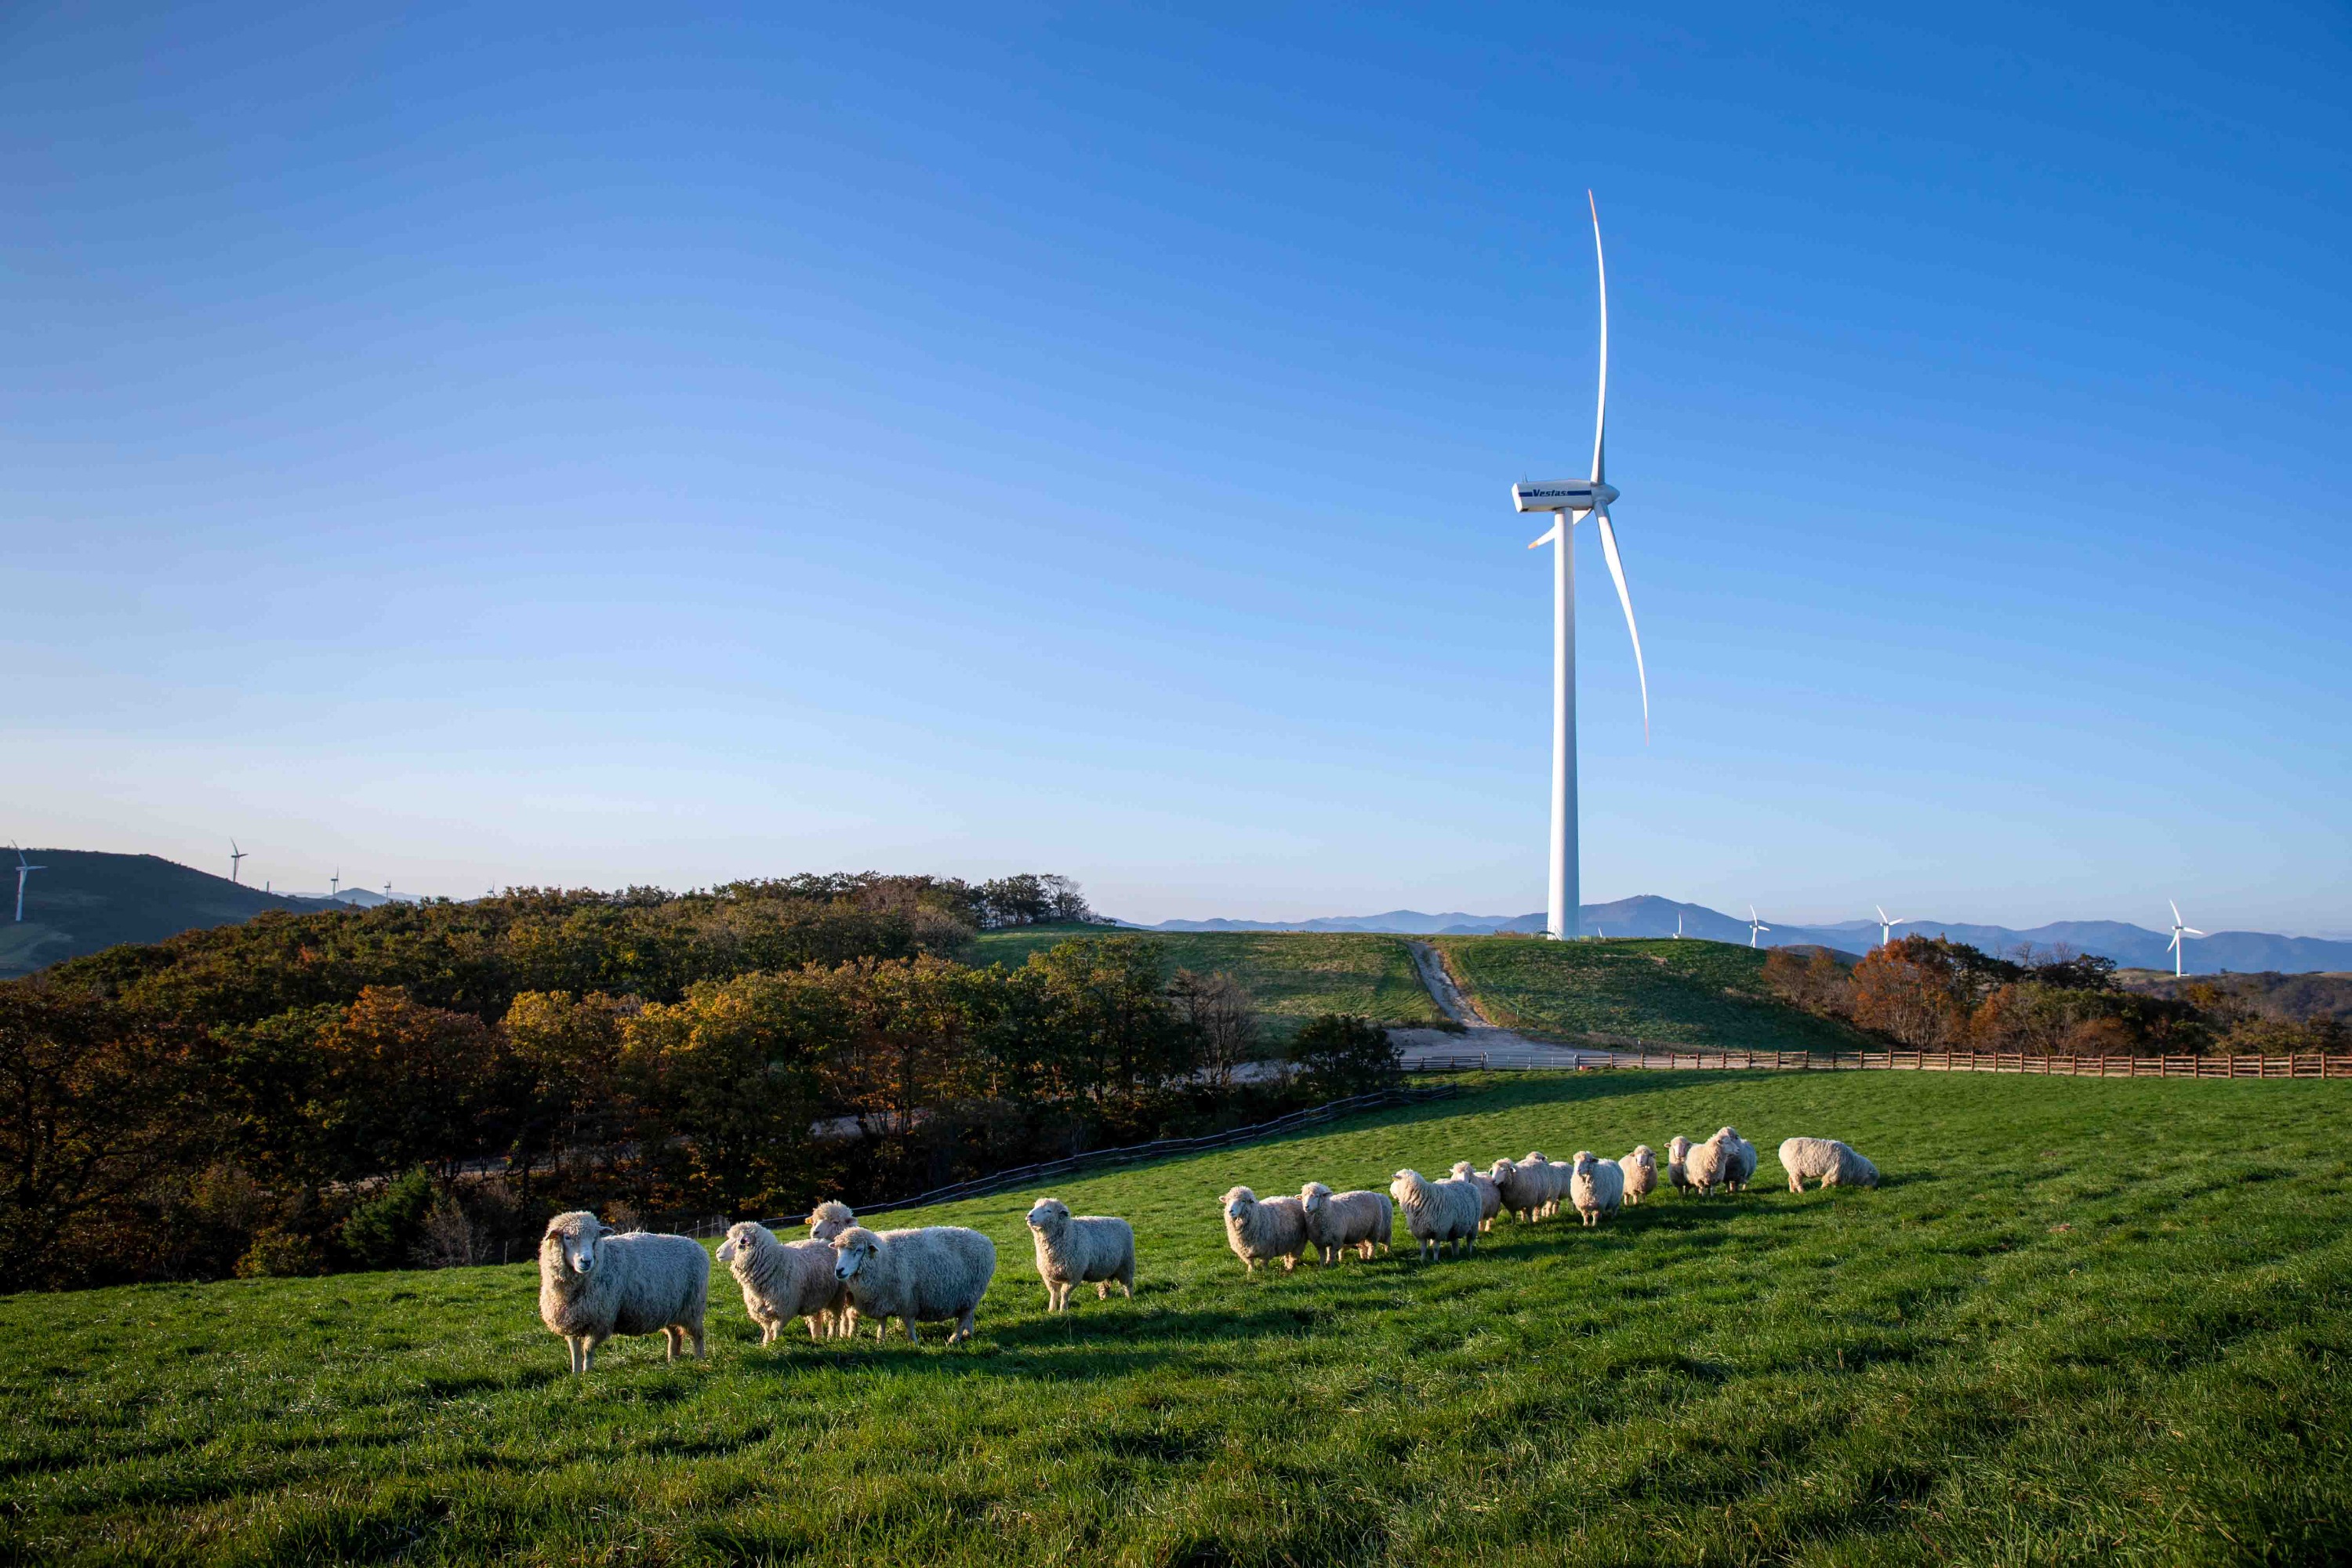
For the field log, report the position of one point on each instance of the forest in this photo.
(426, 1083)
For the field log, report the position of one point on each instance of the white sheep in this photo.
(1742, 1168)
(1678, 1164)
(1490, 1193)
(786, 1279)
(1725, 1161)
(829, 1219)
(1440, 1215)
(1337, 1222)
(1522, 1188)
(1827, 1161)
(1596, 1186)
(1641, 1168)
(594, 1284)
(1089, 1249)
(935, 1274)
(1258, 1229)
(1553, 1175)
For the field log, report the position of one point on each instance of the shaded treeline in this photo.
(427, 1083)
(1929, 994)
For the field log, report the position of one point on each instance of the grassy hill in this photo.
(86, 899)
(1707, 994)
(2083, 1320)
(1294, 974)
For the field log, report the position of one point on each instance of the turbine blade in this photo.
(2175, 943)
(2192, 930)
(1601, 411)
(1617, 575)
(1882, 912)
(1549, 534)
(2176, 912)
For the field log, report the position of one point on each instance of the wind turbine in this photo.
(2179, 931)
(335, 883)
(1571, 502)
(1887, 926)
(1754, 925)
(24, 869)
(1679, 925)
(234, 856)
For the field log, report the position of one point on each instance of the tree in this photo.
(1222, 1017)
(1340, 1054)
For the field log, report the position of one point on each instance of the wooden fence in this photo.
(1569, 1059)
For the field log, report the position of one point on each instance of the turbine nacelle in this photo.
(1563, 495)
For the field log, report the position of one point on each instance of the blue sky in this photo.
(504, 446)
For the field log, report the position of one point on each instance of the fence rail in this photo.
(1569, 1059)
(1160, 1148)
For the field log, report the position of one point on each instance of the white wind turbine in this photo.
(1887, 926)
(1573, 500)
(1679, 925)
(2179, 931)
(235, 858)
(1754, 925)
(24, 869)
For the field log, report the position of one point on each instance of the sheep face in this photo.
(1401, 1184)
(740, 1239)
(1238, 1204)
(851, 1251)
(577, 1235)
(1678, 1149)
(829, 1219)
(1314, 1198)
(1583, 1163)
(1049, 1216)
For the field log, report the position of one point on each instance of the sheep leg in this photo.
(912, 1337)
(963, 1329)
(579, 1356)
(1102, 1291)
(1126, 1281)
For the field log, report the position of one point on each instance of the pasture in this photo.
(1703, 995)
(2082, 1321)
(1293, 976)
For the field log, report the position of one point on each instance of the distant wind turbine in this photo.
(1754, 925)
(1571, 502)
(24, 869)
(335, 882)
(235, 858)
(1679, 925)
(2179, 931)
(1887, 926)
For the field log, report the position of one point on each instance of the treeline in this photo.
(1930, 994)
(426, 1083)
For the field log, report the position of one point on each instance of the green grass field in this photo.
(1294, 974)
(1706, 994)
(2083, 1320)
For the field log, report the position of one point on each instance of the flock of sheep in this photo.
(595, 1284)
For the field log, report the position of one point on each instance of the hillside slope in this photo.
(1294, 975)
(1929, 1372)
(1703, 995)
(86, 900)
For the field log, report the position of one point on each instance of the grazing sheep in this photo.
(935, 1274)
(1490, 1194)
(786, 1279)
(1641, 1168)
(1441, 1216)
(1338, 1221)
(1827, 1161)
(1553, 1173)
(1677, 1163)
(1725, 1161)
(1596, 1186)
(1742, 1168)
(1090, 1249)
(593, 1284)
(1258, 1229)
(1522, 1187)
(829, 1219)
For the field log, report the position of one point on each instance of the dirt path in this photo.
(1480, 1038)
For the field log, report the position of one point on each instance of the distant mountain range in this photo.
(85, 900)
(2131, 946)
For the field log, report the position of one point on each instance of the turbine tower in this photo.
(1887, 926)
(2179, 931)
(24, 869)
(1571, 502)
(236, 856)
(1754, 925)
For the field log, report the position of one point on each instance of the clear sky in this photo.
(607, 444)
